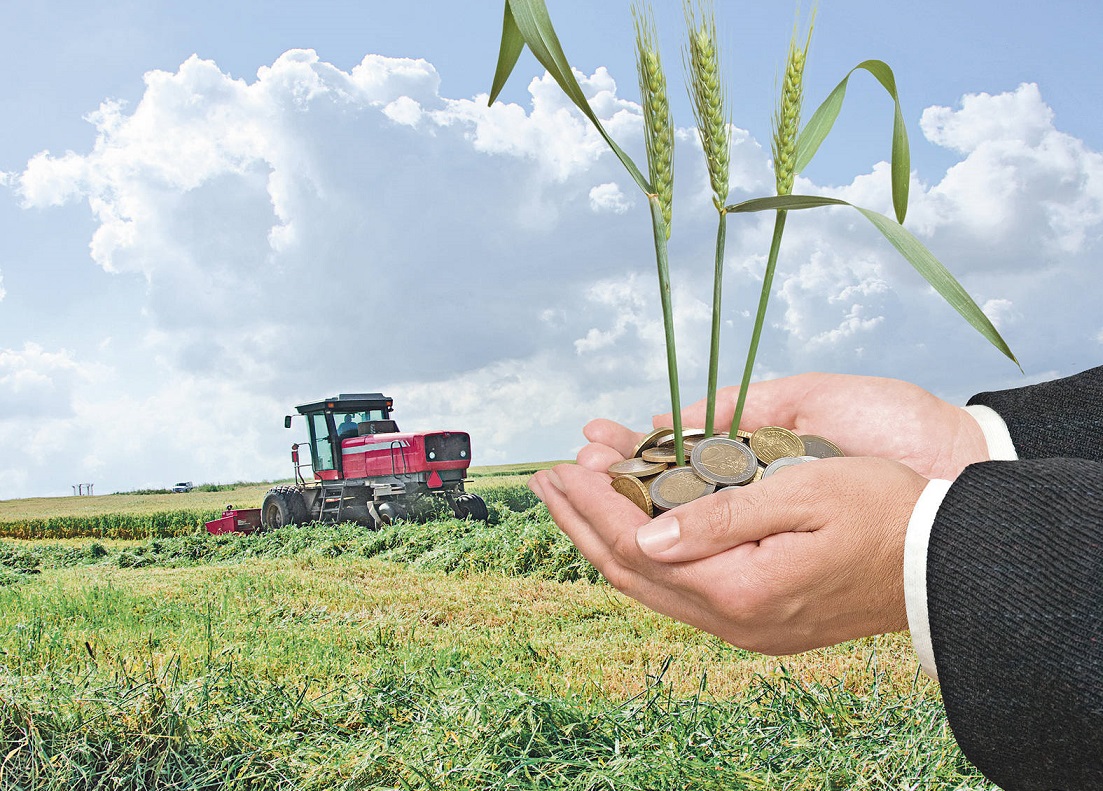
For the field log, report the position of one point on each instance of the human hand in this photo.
(863, 415)
(809, 557)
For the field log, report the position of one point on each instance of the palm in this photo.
(864, 416)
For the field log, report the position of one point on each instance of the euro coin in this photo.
(652, 439)
(635, 490)
(819, 447)
(678, 486)
(637, 467)
(661, 453)
(770, 443)
(690, 437)
(786, 461)
(723, 461)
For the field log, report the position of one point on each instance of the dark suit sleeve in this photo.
(1015, 592)
(1015, 600)
(1058, 419)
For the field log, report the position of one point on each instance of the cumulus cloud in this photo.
(609, 197)
(316, 230)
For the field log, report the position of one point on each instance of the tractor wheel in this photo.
(470, 506)
(283, 505)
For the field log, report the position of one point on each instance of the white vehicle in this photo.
(183, 486)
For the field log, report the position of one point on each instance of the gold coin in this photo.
(634, 490)
(664, 453)
(637, 467)
(819, 447)
(743, 434)
(689, 441)
(652, 439)
(688, 436)
(724, 461)
(770, 443)
(678, 486)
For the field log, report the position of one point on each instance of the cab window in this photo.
(319, 442)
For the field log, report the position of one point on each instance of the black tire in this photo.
(283, 505)
(470, 506)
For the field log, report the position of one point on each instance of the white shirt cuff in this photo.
(1000, 446)
(915, 571)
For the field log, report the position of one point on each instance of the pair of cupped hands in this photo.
(809, 557)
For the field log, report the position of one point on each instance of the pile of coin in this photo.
(651, 479)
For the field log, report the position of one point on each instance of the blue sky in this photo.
(260, 225)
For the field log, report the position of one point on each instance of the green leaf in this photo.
(528, 21)
(922, 259)
(508, 53)
(819, 125)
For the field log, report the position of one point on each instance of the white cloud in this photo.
(315, 230)
(1024, 190)
(608, 197)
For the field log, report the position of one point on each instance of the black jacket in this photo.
(1015, 593)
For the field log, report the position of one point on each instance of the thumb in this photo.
(733, 516)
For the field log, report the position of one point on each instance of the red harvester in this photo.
(365, 470)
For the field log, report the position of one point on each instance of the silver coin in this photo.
(785, 461)
(819, 447)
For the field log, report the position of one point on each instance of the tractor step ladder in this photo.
(333, 501)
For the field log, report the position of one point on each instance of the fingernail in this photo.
(553, 479)
(659, 535)
(537, 489)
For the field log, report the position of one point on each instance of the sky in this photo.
(211, 212)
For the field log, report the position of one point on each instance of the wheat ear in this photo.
(707, 92)
(787, 117)
(658, 125)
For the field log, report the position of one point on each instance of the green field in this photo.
(446, 655)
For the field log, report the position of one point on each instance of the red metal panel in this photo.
(235, 520)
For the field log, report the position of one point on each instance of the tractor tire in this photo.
(283, 505)
(470, 506)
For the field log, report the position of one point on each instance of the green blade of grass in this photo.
(529, 21)
(512, 44)
(819, 125)
(922, 259)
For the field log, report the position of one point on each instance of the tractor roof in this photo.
(349, 402)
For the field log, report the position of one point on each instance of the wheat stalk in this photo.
(706, 90)
(786, 129)
(658, 124)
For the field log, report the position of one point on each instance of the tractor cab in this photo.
(341, 417)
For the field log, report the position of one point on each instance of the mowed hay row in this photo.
(159, 524)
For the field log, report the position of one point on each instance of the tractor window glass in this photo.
(319, 435)
(347, 423)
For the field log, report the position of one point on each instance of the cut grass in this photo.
(356, 673)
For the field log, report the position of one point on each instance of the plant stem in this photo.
(658, 225)
(714, 351)
(763, 300)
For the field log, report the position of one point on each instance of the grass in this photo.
(449, 655)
